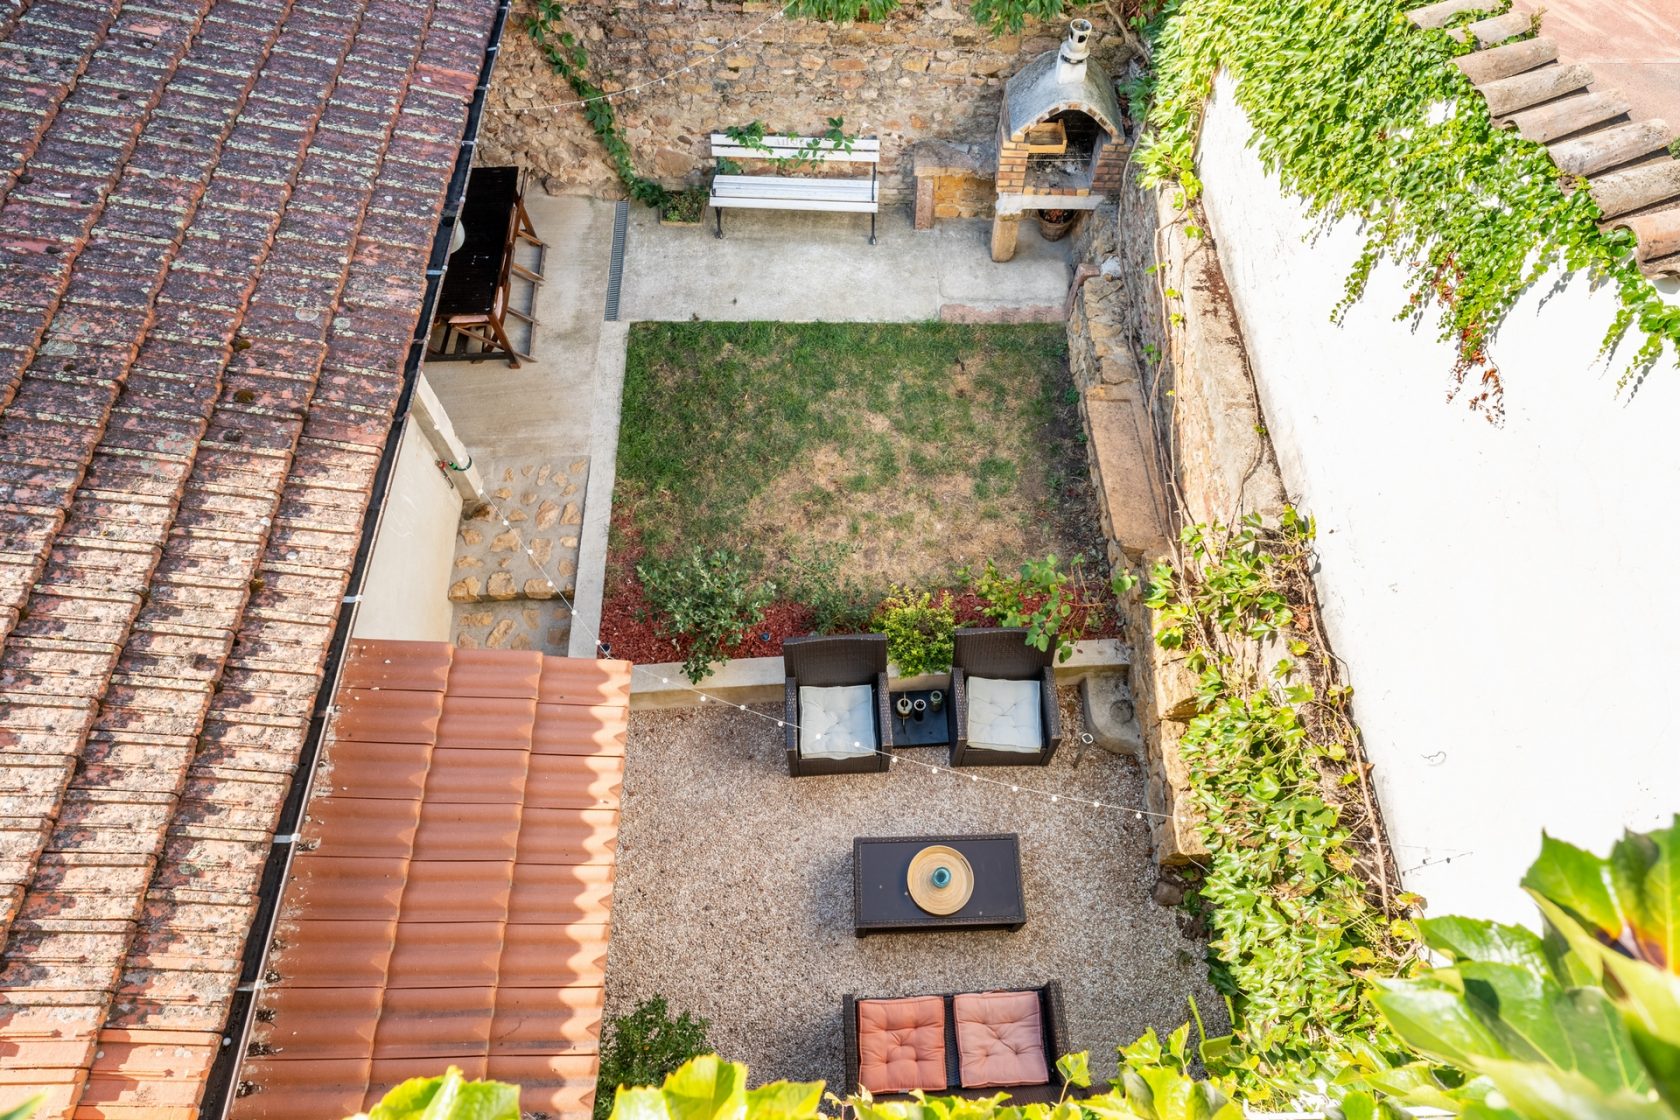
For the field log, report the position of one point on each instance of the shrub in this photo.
(918, 629)
(837, 603)
(710, 598)
(644, 1048)
(1039, 598)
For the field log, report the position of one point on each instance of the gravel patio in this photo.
(734, 896)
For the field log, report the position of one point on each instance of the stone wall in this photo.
(927, 71)
(1175, 435)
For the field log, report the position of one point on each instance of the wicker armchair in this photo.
(1002, 655)
(826, 662)
(1055, 1044)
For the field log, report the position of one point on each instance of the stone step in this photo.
(523, 542)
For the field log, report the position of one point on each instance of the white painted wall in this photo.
(405, 594)
(1506, 597)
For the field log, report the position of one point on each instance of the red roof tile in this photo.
(215, 217)
(460, 887)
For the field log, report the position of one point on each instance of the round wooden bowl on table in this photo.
(940, 879)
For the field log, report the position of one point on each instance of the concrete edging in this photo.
(759, 680)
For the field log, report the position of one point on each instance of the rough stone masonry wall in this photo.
(1175, 435)
(926, 71)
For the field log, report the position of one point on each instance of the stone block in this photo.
(1110, 714)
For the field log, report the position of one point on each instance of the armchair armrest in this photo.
(790, 726)
(883, 722)
(1051, 705)
(958, 703)
(1055, 1029)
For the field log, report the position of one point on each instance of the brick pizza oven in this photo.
(1061, 143)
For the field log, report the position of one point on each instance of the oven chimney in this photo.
(1070, 62)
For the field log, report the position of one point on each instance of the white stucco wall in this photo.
(405, 594)
(1506, 597)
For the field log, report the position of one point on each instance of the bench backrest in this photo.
(815, 148)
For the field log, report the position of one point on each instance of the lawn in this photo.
(903, 451)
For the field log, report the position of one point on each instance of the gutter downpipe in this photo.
(221, 1086)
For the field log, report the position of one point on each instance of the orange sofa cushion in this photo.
(1000, 1039)
(901, 1044)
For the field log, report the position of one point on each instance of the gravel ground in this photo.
(734, 896)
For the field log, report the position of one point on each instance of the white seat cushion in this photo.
(837, 722)
(1004, 716)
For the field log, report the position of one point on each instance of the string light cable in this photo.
(1056, 797)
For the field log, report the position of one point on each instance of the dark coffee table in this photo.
(881, 890)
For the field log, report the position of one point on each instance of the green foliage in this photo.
(686, 205)
(1362, 115)
(1580, 1023)
(1295, 930)
(842, 11)
(1041, 598)
(818, 580)
(918, 627)
(24, 1110)
(710, 598)
(834, 138)
(449, 1097)
(1157, 1086)
(646, 1047)
(568, 58)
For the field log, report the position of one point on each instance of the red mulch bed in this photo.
(633, 636)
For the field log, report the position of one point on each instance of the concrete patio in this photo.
(734, 895)
(799, 267)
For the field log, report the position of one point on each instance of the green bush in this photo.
(710, 598)
(837, 603)
(1010, 601)
(918, 628)
(644, 1048)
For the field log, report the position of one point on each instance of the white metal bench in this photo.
(780, 192)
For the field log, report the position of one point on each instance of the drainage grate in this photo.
(615, 273)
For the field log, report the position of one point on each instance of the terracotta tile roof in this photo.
(1591, 131)
(215, 219)
(451, 899)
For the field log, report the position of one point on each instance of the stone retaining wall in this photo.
(927, 71)
(1143, 382)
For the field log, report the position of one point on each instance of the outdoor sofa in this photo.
(971, 1044)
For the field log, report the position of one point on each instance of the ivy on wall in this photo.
(568, 58)
(1364, 116)
(1295, 891)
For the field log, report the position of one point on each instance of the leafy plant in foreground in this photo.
(646, 1047)
(447, 1097)
(919, 627)
(1579, 1022)
(709, 598)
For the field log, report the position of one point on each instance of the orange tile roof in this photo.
(215, 221)
(450, 901)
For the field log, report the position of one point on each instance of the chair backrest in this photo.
(825, 661)
(1002, 654)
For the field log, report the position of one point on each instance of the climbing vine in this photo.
(1295, 891)
(1362, 114)
(568, 58)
